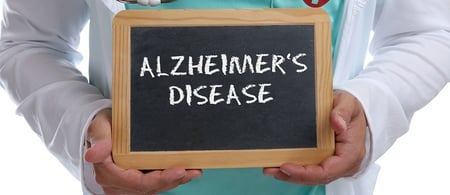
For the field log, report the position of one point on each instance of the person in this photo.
(372, 106)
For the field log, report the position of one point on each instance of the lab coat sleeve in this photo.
(38, 60)
(411, 64)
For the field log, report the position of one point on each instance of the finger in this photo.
(329, 170)
(343, 111)
(160, 181)
(345, 162)
(191, 175)
(306, 175)
(310, 174)
(99, 137)
(338, 123)
(277, 173)
(117, 191)
(270, 171)
(348, 120)
(108, 174)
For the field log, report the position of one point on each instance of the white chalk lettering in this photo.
(209, 64)
(233, 96)
(218, 94)
(223, 64)
(198, 66)
(174, 71)
(234, 61)
(303, 66)
(188, 94)
(226, 65)
(146, 68)
(277, 60)
(214, 94)
(247, 61)
(198, 95)
(159, 73)
(251, 96)
(263, 92)
(180, 93)
(260, 63)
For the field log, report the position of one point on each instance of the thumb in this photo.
(343, 111)
(338, 122)
(99, 138)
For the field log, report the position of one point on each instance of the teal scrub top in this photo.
(246, 181)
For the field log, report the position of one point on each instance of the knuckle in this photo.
(100, 180)
(326, 179)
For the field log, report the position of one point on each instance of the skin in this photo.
(349, 122)
(347, 118)
(117, 181)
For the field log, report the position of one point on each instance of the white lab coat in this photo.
(38, 54)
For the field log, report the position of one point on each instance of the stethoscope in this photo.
(146, 2)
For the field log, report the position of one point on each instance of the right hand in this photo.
(115, 180)
(350, 125)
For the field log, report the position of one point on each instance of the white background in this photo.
(417, 164)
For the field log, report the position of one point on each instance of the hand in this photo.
(349, 122)
(115, 180)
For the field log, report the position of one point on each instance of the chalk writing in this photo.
(225, 65)
(222, 64)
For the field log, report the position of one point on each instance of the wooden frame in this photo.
(219, 158)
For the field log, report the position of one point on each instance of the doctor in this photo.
(372, 106)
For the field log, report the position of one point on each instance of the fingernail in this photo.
(180, 176)
(89, 143)
(342, 123)
(197, 176)
(268, 174)
(92, 141)
(285, 172)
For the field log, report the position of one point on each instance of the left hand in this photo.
(349, 122)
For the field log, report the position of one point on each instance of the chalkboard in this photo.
(237, 88)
